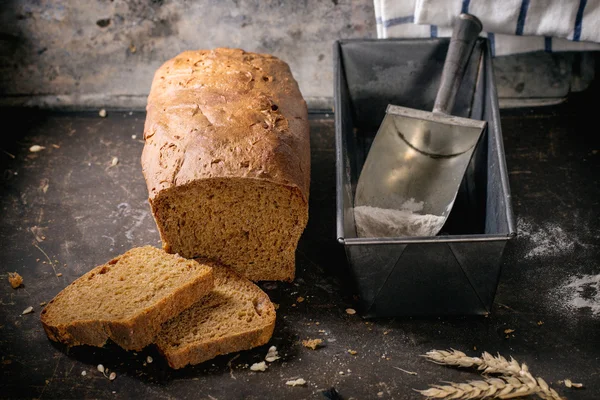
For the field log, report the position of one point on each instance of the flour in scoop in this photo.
(383, 222)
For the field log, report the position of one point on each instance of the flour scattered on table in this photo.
(383, 222)
(581, 292)
(545, 240)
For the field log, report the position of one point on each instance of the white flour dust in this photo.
(382, 222)
(547, 239)
(581, 292)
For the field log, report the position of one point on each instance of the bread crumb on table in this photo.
(312, 343)
(352, 352)
(28, 310)
(102, 113)
(35, 148)
(261, 366)
(350, 311)
(15, 279)
(272, 354)
(296, 382)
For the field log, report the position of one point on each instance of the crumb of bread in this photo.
(296, 382)
(15, 279)
(312, 343)
(261, 366)
(272, 354)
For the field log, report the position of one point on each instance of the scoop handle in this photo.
(466, 30)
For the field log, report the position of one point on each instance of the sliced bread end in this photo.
(237, 315)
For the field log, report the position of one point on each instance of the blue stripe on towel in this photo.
(579, 20)
(522, 16)
(465, 6)
(548, 44)
(433, 31)
(492, 40)
(409, 19)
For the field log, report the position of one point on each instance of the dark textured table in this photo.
(67, 208)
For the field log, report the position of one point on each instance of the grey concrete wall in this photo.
(103, 53)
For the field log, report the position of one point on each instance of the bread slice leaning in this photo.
(126, 299)
(237, 315)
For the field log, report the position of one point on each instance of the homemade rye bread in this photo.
(236, 315)
(227, 160)
(126, 299)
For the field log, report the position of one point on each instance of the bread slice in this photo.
(126, 299)
(236, 315)
(227, 160)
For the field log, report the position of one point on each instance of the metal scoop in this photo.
(417, 161)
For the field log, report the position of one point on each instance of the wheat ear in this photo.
(489, 364)
(505, 387)
(486, 363)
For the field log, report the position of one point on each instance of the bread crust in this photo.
(225, 113)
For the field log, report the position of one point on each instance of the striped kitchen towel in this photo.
(512, 26)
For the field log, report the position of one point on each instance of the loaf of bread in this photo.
(227, 160)
(237, 315)
(126, 299)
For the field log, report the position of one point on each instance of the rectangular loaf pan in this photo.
(456, 272)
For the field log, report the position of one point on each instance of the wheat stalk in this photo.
(505, 387)
(487, 363)
(516, 380)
